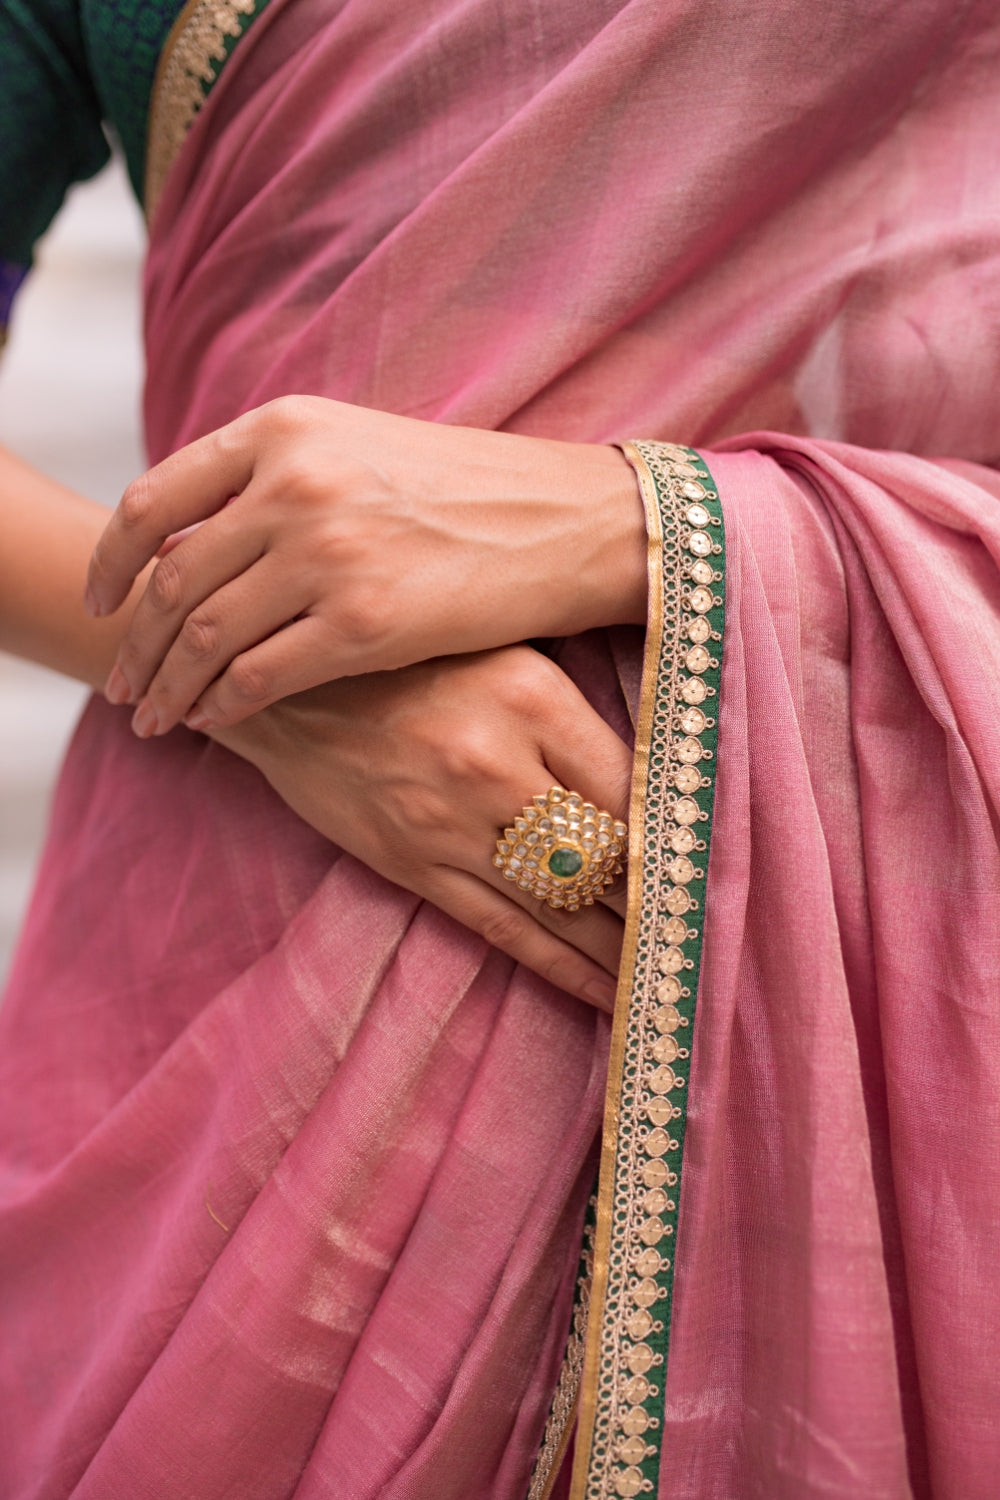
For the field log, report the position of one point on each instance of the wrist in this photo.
(615, 580)
(253, 739)
(276, 738)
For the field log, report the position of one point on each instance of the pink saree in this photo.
(294, 1169)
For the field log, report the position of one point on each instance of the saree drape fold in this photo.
(293, 1168)
(840, 1206)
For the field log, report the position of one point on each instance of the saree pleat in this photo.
(330, 1180)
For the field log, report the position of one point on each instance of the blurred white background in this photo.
(70, 388)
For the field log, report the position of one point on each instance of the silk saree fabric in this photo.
(296, 1170)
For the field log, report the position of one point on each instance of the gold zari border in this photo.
(189, 64)
(622, 1387)
(562, 1412)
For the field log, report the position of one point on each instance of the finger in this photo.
(592, 761)
(188, 574)
(585, 755)
(593, 930)
(218, 637)
(189, 486)
(507, 926)
(294, 659)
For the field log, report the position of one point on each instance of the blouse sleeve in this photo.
(50, 127)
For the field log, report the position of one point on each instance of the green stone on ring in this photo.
(565, 863)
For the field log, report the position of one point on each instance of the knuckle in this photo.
(529, 680)
(247, 681)
(532, 673)
(364, 619)
(286, 413)
(200, 636)
(301, 482)
(339, 559)
(505, 930)
(130, 655)
(471, 762)
(136, 503)
(469, 755)
(232, 443)
(165, 585)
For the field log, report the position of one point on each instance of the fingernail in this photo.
(116, 689)
(144, 721)
(602, 992)
(90, 603)
(198, 720)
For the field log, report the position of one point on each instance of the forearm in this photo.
(47, 533)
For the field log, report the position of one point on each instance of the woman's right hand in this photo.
(326, 540)
(417, 771)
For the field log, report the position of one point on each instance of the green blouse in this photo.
(73, 72)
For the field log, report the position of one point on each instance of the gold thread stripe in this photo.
(621, 1404)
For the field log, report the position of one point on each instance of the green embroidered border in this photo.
(622, 1394)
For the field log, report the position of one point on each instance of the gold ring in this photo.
(563, 850)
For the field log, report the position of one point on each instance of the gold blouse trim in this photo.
(189, 65)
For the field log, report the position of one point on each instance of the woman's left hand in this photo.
(356, 541)
(416, 772)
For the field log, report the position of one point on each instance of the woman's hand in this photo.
(356, 542)
(417, 771)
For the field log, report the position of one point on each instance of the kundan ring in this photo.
(563, 850)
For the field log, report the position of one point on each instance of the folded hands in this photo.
(314, 543)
